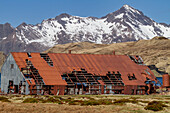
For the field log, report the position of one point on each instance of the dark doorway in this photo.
(15, 88)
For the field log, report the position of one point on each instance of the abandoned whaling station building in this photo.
(62, 74)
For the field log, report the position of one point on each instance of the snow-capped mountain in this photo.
(125, 24)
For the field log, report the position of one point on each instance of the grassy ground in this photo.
(85, 104)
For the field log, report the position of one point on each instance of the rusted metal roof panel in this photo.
(50, 75)
(92, 63)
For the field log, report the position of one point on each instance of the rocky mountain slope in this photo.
(2, 59)
(154, 52)
(125, 24)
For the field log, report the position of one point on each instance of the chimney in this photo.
(113, 52)
(69, 51)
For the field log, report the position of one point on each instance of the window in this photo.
(12, 66)
(10, 83)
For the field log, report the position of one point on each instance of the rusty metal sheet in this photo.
(166, 80)
(50, 75)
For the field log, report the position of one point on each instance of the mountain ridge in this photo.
(125, 24)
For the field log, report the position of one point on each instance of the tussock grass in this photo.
(44, 99)
(30, 100)
(155, 106)
(92, 102)
(4, 99)
(123, 101)
(52, 100)
(75, 102)
(139, 102)
(97, 102)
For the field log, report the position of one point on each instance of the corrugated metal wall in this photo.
(11, 73)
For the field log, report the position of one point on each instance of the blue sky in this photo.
(34, 11)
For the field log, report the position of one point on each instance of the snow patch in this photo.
(119, 16)
(147, 31)
(4, 38)
(130, 9)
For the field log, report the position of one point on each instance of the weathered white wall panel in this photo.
(14, 74)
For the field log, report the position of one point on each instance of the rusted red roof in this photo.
(92, 63)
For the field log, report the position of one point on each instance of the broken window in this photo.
(132, 77)
(12, 66)
(10, 82)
